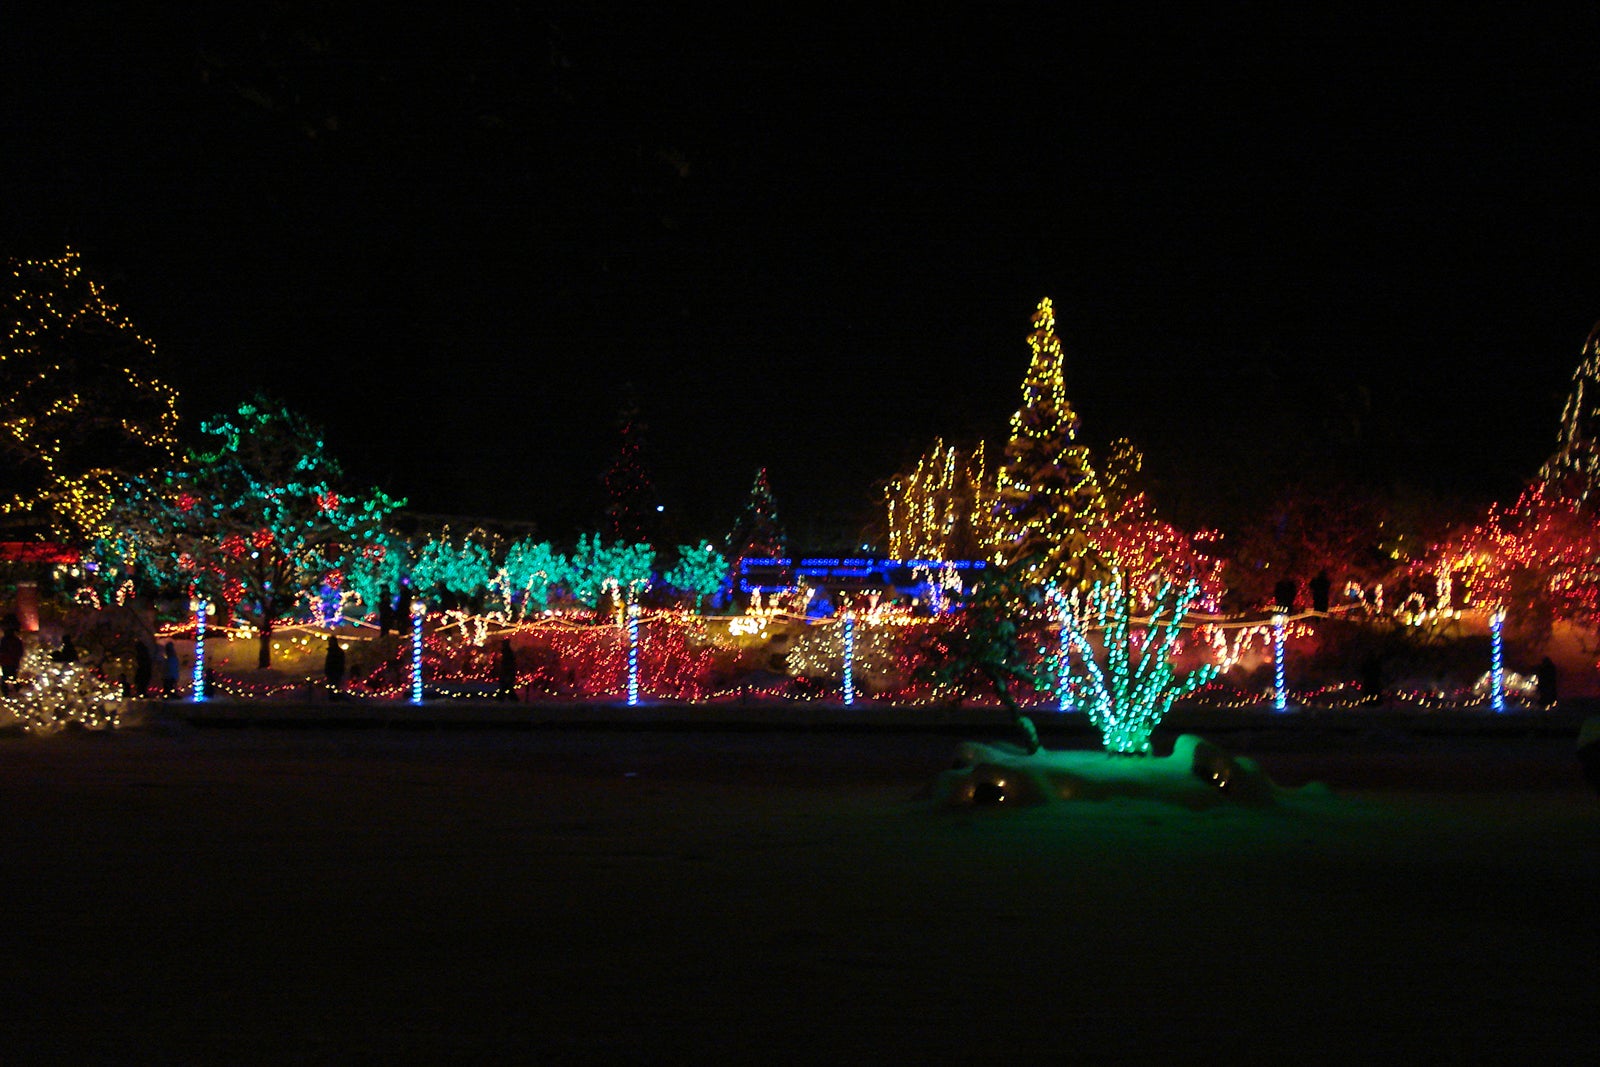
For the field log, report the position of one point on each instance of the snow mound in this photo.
(1198, 774)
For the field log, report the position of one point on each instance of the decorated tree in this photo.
(81, 409)
(942, 508)
(598, 570)
(631, 498)
(1135, 542)
(1539, 559)
(701, 570)
(528, 577)
(1309, 529)
(992, 645)
(1127, 698)
(1048, 497)
(1574, 470)
(757, 534)
(445, 569)
(256, 521)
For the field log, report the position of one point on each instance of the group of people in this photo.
(144, 668)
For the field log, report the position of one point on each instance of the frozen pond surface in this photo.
(352, 896)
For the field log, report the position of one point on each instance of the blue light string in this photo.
(633, 654)
(849, 659)
(1280, 692)
(1497, 674)
(200, 650)
(416, 654)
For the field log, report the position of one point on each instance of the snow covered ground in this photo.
(254, 895)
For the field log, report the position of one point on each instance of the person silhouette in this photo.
(508, 671)
(333, 666)
(1545, 682)
(1319, 592)
(169, 671)
(143, 666)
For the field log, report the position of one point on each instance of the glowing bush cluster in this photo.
(49, 696)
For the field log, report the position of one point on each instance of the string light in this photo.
(1126, 700)
(1497, 678)
(849, 659)
(418, 614)
(201, 610)
(633, 654)
(1280, 690)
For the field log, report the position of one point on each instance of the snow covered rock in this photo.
(1197, 774)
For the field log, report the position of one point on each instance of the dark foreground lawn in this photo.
(244, 896)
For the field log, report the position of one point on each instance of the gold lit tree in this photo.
(943, 508)
(1574, 470)
(80, 407)
(1048, 499)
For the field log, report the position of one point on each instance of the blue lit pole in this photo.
(418, 612)
(633, 654)
(1497, 673)
(1280, 691)
(1062, 674)
(849, 658)
(201, 610)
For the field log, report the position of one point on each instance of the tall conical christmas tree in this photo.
(1574, 471)
(80, 406)
(1048, 498)
(630, 512)
(757, 534)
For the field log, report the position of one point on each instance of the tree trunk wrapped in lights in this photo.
(1128, 697)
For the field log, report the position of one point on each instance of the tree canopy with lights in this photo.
(943, 507)
(256, 521)
(1048, 497)
(81, 409)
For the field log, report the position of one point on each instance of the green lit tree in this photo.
(701, 570)
(598, 570)
(531, 572)
(1048, 497)
(81, 409)
(1127, 698)
(256, 521)
(444, 569)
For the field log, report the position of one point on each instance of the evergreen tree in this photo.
(757, 534)
(80, 407)
(631, 497)
(1574, 470)
(1048, 498)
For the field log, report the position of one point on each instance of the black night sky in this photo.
(1355, 244)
